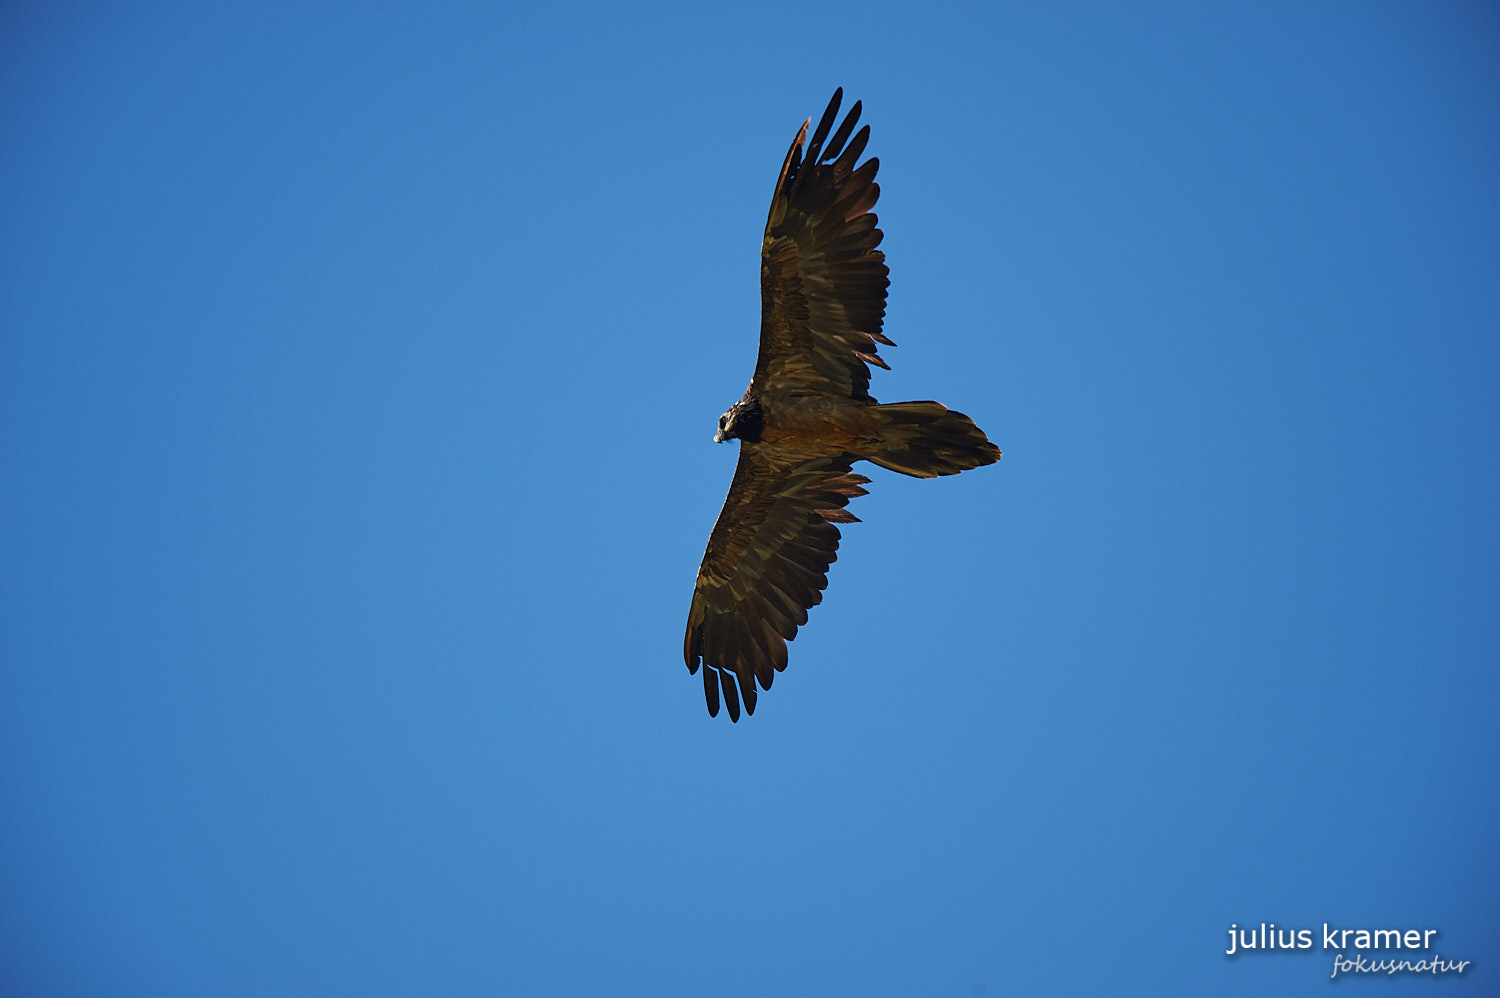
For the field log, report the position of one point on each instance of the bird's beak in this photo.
(718, 437)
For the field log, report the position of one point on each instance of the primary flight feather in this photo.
(807, 417)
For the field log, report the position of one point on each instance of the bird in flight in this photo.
(807, 417)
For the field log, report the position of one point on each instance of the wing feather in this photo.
(766, 565)
(711, 691)
(815, 147)
(731, 697)
(836, 144)
(849, 156)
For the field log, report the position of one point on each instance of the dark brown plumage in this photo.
(807, 417)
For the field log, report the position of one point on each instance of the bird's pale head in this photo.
(743, 421)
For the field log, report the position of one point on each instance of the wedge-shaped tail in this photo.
(927, 439)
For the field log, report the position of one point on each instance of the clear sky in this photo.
(358, 370)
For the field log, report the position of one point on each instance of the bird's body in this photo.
(807, 417)
(808, 426)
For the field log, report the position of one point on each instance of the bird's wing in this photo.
(766, 564)
(822, 279)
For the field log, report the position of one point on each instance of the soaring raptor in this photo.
(807, 417)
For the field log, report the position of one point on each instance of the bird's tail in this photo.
(926, 439)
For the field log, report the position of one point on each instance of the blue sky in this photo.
(358, 373)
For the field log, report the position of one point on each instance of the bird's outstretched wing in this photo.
(766, 564)
(822, 280)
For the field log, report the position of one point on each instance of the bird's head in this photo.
(742, 421)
